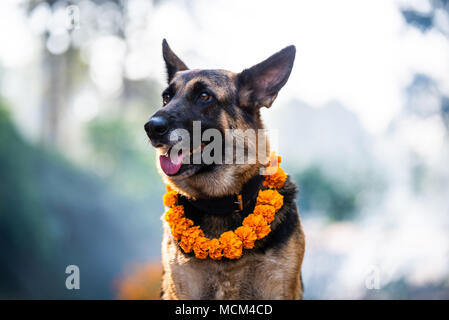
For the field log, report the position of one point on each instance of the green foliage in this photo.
(53, 214)
(322, 193)
(23, 222)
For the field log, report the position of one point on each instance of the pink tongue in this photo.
(168, 166)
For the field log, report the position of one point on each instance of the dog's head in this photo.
(219, 101)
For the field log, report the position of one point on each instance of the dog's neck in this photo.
(225, 181)
(243, 202)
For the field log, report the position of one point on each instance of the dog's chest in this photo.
(250, 277)
(209, 280)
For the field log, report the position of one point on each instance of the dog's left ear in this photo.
(260, 84)
(172, 62)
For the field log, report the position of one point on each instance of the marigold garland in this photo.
(230, 244)
(266, 211)
(275, 180)
(201, 247)
(215, 249)
(259, 225)
(271, 198)
(247, 235)
(189, 238)
(170, 198)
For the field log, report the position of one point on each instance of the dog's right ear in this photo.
(172, 62)
(260, 84)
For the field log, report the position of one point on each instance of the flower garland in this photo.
(231, 243)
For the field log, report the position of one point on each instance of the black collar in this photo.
(243, 202)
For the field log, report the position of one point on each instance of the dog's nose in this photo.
(157, 125)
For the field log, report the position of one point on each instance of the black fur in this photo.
(172, 62)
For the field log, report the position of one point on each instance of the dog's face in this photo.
(219, 100)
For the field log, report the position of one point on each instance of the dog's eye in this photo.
(204, 96)
(166, 98)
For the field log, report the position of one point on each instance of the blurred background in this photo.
(363, 129)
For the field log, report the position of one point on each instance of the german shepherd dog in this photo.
(225, 100)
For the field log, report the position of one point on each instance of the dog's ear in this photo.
(172, 62)
(260, 84)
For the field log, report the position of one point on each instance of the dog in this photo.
(225, 100)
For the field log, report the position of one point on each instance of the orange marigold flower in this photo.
(274, 161)
(215, 249)
(247, 235)
(201, 247)
(170, 198)
(265, 211)
(173, 214)
(189, 237)
(270, 197)
(259, 224)
(168, 187)
(232, 245)
(275, 180)
(180, 226)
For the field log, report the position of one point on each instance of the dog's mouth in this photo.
(173, 165)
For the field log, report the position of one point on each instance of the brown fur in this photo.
(272, 269)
